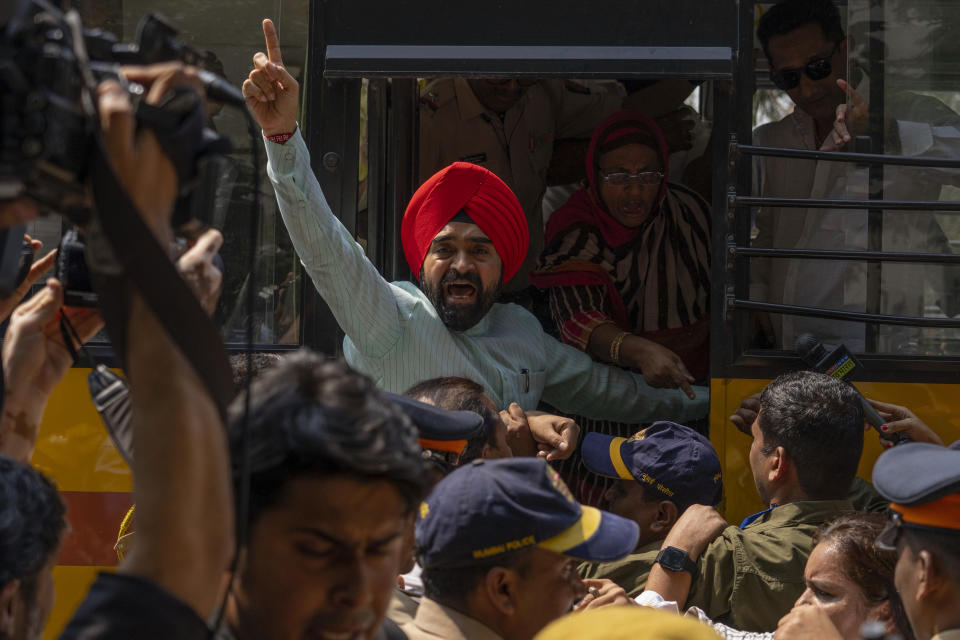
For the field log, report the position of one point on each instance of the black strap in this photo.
(147, 268)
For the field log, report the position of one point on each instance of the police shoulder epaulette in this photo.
(430, 101)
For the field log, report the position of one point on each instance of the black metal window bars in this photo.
(734, 250)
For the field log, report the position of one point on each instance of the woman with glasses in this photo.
(627, 264)
(849, 580)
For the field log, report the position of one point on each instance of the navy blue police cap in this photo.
(490, 507)
(922, 483)
(437, 424)
(668, 459)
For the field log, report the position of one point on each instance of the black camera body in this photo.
(49, 68)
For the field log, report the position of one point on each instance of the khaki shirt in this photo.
(630, 573)
(949, 634)
(750, 578)
(518, 147)
(865, 498)
(437, 622)
(402, 608)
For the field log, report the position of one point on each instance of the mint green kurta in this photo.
(395, 335)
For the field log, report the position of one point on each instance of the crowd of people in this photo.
(409, 490)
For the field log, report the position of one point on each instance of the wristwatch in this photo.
(676, 560)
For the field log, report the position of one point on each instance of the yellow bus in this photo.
(364, 66)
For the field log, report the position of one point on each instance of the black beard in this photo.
(460, 317)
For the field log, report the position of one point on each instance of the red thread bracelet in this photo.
(280, 138)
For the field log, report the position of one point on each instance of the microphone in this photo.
(841, 364)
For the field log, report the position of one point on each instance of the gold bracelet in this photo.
(615, 347)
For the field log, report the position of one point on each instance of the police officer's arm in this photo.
(697, 531)
(182, 475)
(365, 305)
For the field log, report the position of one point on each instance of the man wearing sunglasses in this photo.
(922, 482)
(811, 59)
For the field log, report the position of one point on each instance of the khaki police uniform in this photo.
(631, 572)
(437, 622)
(749, 578)
(865, 498)
(517, 147)
(402, 608)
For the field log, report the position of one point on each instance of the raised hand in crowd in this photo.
(694, 530)
(747, 413)
(37, 269)
(35, 360)
(852, 119)
(602, 592)
(535, 433)
(182, 489)
(902, 420)
(273, 95)
(197, 267)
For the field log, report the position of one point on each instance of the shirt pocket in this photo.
(523, 386)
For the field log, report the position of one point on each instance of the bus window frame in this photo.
(734, 358)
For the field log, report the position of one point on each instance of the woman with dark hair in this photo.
(627, 268)
(849, 583)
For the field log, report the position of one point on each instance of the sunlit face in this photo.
(829, 589)
(461, 275)
(630, 204)
(627, 498)
(322, 564)
(758, 461)
(549, 587)
(905, 580)
(796, 49)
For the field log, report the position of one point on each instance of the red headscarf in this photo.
(620, 128)
(481, 195)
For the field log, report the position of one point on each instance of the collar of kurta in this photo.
(439, 621)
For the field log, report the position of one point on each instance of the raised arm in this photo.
(35, 360)
(182, 476)
(364, 304)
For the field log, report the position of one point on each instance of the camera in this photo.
(49, 68)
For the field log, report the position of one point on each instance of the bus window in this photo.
(900, 65)
(233, 33)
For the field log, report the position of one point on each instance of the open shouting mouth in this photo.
(460, 292)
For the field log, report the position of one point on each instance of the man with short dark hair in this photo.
(335, 475)
(659, 472)
(464, 235)
(807, 442)
(499, 542)
(812, 59)
(459, 394)
(32, 524)
(922, 481)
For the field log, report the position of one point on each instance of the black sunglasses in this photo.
(787, 79)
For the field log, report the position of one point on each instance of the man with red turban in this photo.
(464, 234)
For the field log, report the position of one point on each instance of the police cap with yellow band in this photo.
(671, 461)
(922, 483)
(488, 508)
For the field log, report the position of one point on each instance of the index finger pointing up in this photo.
(273, 43)
(850, 91)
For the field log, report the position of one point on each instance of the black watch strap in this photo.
(676, 559)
